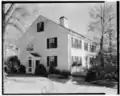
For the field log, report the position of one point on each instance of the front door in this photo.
(37, 63)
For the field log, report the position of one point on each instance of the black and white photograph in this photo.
(60, 47)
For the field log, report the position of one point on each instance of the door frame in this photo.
(33, 64)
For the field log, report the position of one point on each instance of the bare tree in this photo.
(102, 16)
(14, 15)
(9, 16)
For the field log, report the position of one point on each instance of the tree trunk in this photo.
(110, 46)
(3, 22)
(101, 51)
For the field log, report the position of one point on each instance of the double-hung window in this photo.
(52, 42)
(86, 46)
(52, 61)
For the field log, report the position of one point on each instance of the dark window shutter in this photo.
(55, 60)
(41, 26)
(38, 27)
(47, 60)
(55, 42)
(47, 43)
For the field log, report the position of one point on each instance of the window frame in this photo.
(52, 44)
(76, 43)
(92, 48)
(77, 59)
(85, 44)
(39, 25)
(52, 62)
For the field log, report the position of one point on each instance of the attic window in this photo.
(40, 26)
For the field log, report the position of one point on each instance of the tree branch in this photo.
(12, 24)
(9, 10)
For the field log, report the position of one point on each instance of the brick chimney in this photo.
(64, 21)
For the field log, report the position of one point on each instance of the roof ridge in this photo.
(68, 29)
(59, 25)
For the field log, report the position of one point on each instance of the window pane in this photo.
(86, 46)
(52, 61)
(48, 61)
(52, 58)
(40, 26)
(52, 42)
(30, 63)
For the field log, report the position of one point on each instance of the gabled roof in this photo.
(69, 30)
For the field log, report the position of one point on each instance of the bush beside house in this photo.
(78, 70)
(41, 70)
(64, 73)
(13, 66)
(103, 75)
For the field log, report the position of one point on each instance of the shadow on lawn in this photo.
(58, 78)
(81, 81)
(73, 80)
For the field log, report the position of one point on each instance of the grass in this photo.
(106, 83)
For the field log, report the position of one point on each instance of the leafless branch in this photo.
(9, 9)
(12, 24)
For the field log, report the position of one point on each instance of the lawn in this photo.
(52, 85)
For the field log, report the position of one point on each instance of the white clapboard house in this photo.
(47, 42)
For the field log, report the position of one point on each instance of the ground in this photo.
(51, 85)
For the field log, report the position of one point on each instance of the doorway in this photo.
(37, 63)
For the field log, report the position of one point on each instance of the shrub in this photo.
(91, 75)
(22, 69)
(12, 64)
(53, 70)
(65, 73)
(78, 71)
(74, 64)
(41, 70)
(5, 69)
(99, 73)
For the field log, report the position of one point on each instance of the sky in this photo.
(76, 13)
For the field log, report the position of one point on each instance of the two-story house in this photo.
(47, 42)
